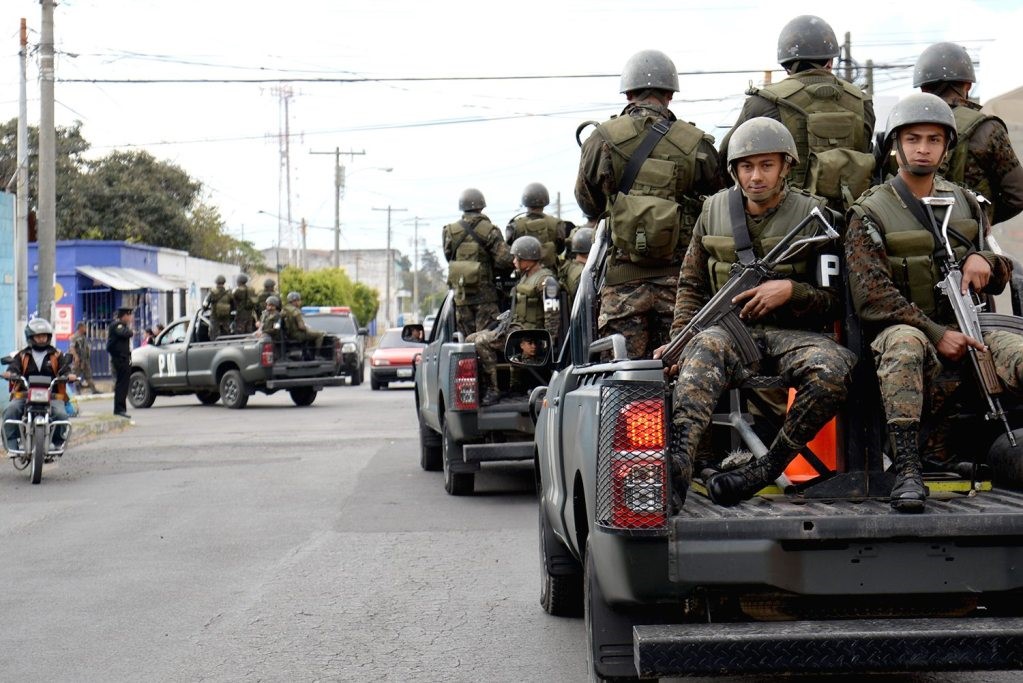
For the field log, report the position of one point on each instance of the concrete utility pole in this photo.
(21, 228)
(305, 252)
(847, 56)
(415, 269)
(47, 223)
(390, 263)
(339, 183)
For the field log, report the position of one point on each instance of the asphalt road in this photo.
(278, 543)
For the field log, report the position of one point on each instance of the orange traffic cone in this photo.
(824, 446)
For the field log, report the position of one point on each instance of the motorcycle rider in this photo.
(40, 357)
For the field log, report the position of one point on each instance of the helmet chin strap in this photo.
(915, 169)
(768, 195)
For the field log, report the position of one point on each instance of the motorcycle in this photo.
(36, 427)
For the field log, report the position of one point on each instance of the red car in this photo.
(392, 360)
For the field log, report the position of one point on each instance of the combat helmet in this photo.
(649, 69)
(293, 297)
(807, 38)
(527, 248)
(274, 301)
(943, 63)
(535, 196)
(221, 279)
(471, 200)
(582, 240)
(761, 135)
(917, 108)
(269, 284)
(241, 279)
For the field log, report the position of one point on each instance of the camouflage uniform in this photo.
(295, 329)
(546, 228)
(270, 324)
(261, 298)
(244, 298)
(637, 301)
(909, 326)
(477, 310)
(790, 337)
(83, 359)
(571, 273)
(219, 304)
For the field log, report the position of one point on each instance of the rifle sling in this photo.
(740, 231)
(653, 136)
(470, 231)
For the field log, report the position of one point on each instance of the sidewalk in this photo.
(96, 417)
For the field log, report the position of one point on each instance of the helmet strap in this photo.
(914, 168)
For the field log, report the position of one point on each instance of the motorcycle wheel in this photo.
(39, 448)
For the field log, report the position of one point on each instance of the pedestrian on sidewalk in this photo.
(119, 347)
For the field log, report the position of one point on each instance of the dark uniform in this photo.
(119, 336)
(475, 251)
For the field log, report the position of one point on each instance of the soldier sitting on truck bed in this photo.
(786, 316)
(295, 329)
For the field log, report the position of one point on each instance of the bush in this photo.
(331, 287)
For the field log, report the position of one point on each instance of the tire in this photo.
(233, 392)
(140, 394)
(431, 452)
(561, 588)
(373, 384)
(207, 398)
(303, 396)
(40, 444)
(607, 632)
(357, 376)
(455, 483)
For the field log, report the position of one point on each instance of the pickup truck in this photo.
(816, 578)
(182, 360)
(456, 433)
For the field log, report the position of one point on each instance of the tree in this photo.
(331, 287)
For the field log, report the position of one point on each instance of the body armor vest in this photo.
(244, 299)
(543, 228)
(220, 302)
(954, 167)
(528, 306)
(471, 266)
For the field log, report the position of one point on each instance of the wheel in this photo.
(357, 376)
(608, 634)
(1005, 462)
(455, 483)
(431, 453)
(561, 579)
(375, 384)
(233, 391)
(140, 394)
(207, 398)
(40, 444)
(303, 396)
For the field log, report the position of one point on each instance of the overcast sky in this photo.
(442, 135)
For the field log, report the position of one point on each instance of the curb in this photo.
(85, 429)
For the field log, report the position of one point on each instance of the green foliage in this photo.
(433, 285)
(331, 287)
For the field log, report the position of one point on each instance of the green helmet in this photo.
(535, 196)
(807, 37)
(274, 301)
(221, 279)
(527, 248)
(269, 284)
(471, 200)
(921, 107)
(943, 63)
(649, 69)
(761, 135)
(582, 240)
(242, 279)
(293, 297)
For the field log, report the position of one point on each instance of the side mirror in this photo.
(528, 348)
(363, 331)
(7, 360)
(413, 333)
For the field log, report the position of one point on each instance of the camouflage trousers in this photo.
(244, 323)
(641, 311)
(488, 343)
(813, 364)
(471, 318)
(219, 327)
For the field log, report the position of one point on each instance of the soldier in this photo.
(646, 170)
(218, 303)
(244, 298)
(268, 291)
(535, 305)
(270, 320)
(786, 316)
(548, 229)
(572, 270)
(81, 351)
(295, 329)
(892, 276)
(475, 253)
(822, 112)
(983, 159)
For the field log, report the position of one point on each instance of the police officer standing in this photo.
(891, 252)
(119, 336)
(535, 305)
(244, 299)
(218, 303)
(983, 158)
(476, 253)
(786, 316)
(647, 171)
(548, 229)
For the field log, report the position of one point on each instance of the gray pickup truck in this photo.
(456, 433)
(182, 360)
(820, 577)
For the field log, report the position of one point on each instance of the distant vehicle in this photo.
(341, 322)
(392, 360)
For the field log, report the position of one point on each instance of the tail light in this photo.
(639, 484)
(266, 357)
(466, 385)
(39, 395)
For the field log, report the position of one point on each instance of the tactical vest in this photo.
(527, 312)
(244, 299)
(652, 224)
(471, 265)
(261, 299)
(954, 167)
(270, 324)
(543, 228)
(911, 247)
(571, 273)
(220, 302)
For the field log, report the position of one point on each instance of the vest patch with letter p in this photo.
(829, 270)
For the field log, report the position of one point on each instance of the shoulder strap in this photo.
(740, 231)
(470, 231)
(653, 136)
(916, 208)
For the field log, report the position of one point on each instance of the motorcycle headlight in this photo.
(349, 347)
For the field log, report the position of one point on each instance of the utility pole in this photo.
(21, 228)
(415, 269)
(390, 263)
(47, 224)
(339, 183)
(557, 206)
(305, 252)
(284, 94)
(847, 56)
(870, 78)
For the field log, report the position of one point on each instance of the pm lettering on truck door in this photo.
(166, 365)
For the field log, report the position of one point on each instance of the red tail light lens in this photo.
(638, 468)
(466, 386)
(266, 357)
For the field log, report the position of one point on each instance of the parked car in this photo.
(392, 360)
(341, 322)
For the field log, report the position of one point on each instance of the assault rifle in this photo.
(721, 311)
(967, 312)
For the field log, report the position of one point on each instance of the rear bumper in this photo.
(874, 645)
(493, 452)
(317, 383)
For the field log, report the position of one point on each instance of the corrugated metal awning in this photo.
(127, 279)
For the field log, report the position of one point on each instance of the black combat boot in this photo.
(681, 467)
(909, 492)
(734, 486)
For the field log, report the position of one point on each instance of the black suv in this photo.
(341, 322)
